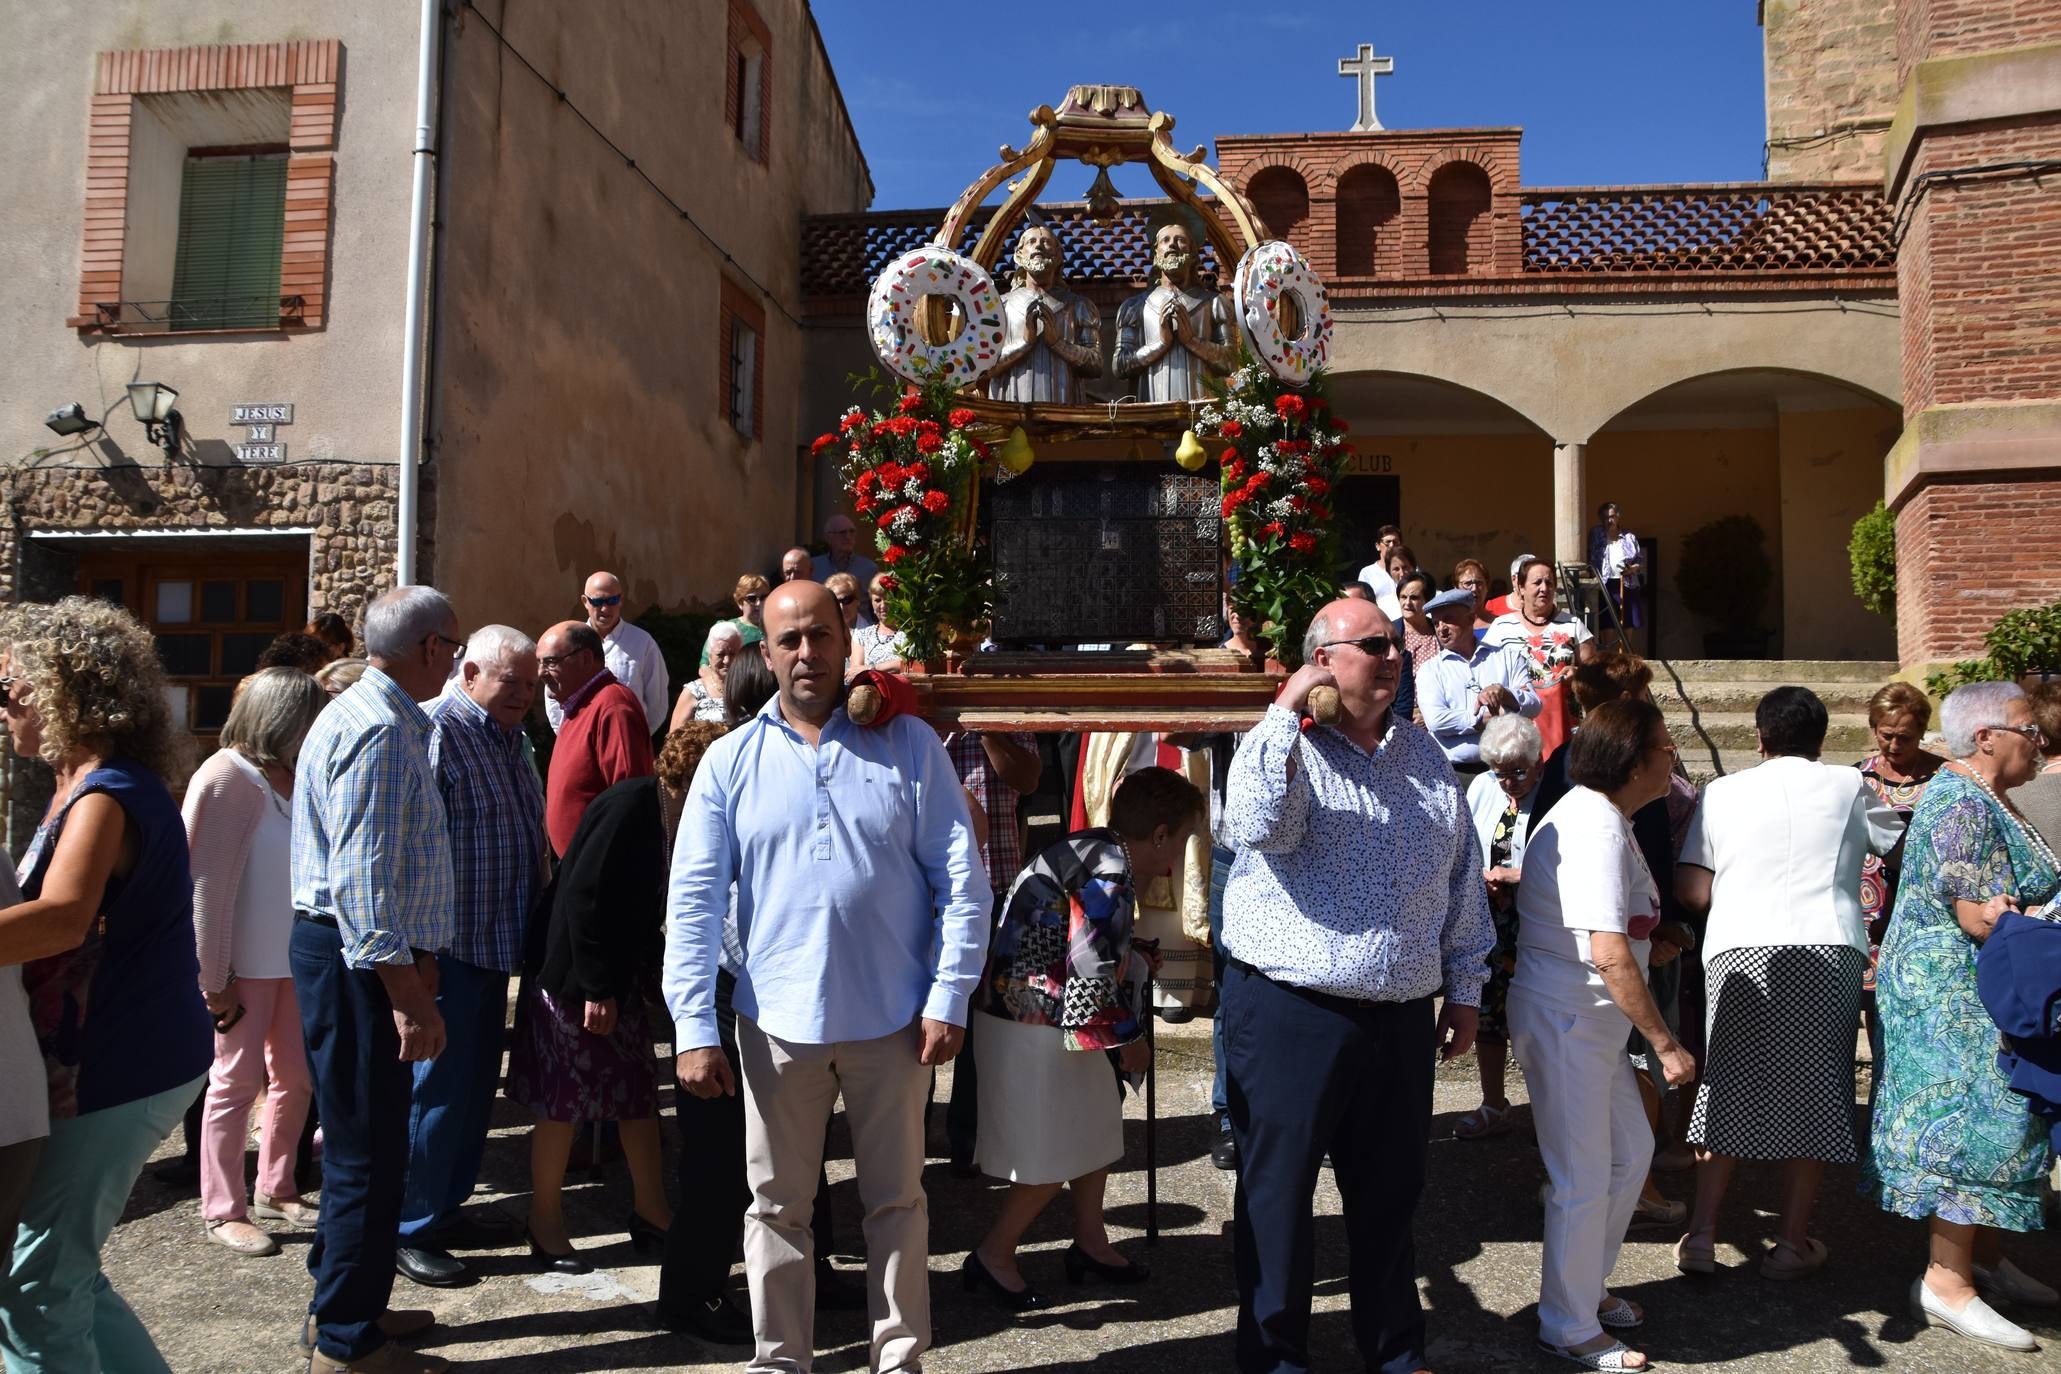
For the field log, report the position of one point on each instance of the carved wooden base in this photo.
(1173, 690)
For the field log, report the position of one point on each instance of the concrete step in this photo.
(1725, 695)
(1734, 730)
(1697, 762)
(1778, 670)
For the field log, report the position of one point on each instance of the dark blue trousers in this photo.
(362, 1089)
(453, 1102)
(1310, 1073)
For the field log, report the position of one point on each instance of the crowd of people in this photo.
(1493, 847)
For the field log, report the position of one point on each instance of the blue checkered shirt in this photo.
(370, 845)
(496, 807)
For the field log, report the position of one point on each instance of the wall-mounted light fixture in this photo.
(153, 403)
(69, 420)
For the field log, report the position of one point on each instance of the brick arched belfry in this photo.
(1370, 205)
(1459, 200)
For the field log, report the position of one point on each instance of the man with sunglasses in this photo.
(628, 652)
(1466, 684)
(1355, 901)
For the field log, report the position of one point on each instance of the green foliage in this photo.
(936, 597)
(2021, 643)
(1724, 573)
(1872, 552)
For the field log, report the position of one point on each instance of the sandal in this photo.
(242, 1237)
(1813, 1259)
(1610, 1357)
(1483, 1122)
(1695, 1259)
(1621, 1315)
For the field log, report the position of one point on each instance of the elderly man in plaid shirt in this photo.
(496, 813)
(995, 769)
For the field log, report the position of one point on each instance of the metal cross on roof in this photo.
(1364, 69)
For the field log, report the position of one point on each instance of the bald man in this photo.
(796, 566)
(627, 651)
(862, 910)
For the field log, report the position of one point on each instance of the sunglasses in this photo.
(845, 600)
(1374, 646)
(754, 598)
(599, 601)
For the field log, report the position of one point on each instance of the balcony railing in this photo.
(1740, 227)
(209, 313)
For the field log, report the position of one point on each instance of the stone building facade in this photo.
(1830, 80)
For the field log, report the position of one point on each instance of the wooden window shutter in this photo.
(232, 229)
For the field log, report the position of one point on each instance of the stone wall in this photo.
(348, 506)
(1831, 78)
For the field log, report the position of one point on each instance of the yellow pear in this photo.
(1189, 453)
(1016, 454)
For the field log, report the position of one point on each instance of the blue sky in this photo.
(1608, 92)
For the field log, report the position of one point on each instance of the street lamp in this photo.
(69, 420)
(152, 403)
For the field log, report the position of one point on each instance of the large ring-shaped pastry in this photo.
(891, 316)
(1266, 275)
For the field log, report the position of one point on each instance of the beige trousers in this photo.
(789, 1091)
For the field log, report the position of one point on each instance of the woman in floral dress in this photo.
(1553, 639)
(1897, 772)
(1952, 1144)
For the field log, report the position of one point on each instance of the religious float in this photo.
(1062, 514)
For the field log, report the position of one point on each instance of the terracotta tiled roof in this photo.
(1688, 229)
(841, 254)
(1685, 231)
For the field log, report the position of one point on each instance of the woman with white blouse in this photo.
(1587, 906)
(1775, 853)
(239, 827)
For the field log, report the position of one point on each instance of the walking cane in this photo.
(1151, 1133)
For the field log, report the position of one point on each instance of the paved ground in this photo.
(1478, 1248)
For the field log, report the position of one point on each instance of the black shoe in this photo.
(644, 1235)
(974, 1277)
(837, 1292)
(715, 1320)
(180, 1171)
(566, 1262)
(1176, 1016)
(962, 1166)
(430, 1268)
(481, 1231)
(1224, 1153)
(1079, 1264)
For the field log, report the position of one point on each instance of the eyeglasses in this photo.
(1374, 646)
(457, 645)
(2031, 732)
(754, 598)
(1511, 775)
(546, 662)
(597, 602)
(1667, 748)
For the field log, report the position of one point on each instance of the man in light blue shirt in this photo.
(862, 909)
(1460, 689)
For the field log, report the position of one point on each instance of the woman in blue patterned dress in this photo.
(1064, 985)
(1952, 1144)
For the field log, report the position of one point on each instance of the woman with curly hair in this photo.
(105, 932)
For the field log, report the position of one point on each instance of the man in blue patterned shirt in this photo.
(372, 896)
(1356, 897)
(495, 807)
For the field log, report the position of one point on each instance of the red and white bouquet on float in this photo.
(1282, 456)
(911, 475)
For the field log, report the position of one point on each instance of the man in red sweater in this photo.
(604, 740)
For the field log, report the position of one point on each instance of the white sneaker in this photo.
(1978, 1321)
(2007, 1280)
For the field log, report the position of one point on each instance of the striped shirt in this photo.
(1003, 853)
(371, 848)
(496, 810)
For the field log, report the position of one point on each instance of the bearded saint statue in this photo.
(1169, 335)
(1051, 337)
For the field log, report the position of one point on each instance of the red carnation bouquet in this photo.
(1283, 452)
(910, 474)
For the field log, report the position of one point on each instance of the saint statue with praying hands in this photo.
(1051, 337)
(1169, 336)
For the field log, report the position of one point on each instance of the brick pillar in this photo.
(1975, 478)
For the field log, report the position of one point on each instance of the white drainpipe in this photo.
(412, 342)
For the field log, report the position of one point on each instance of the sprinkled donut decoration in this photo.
(891, 316)
(1266, 275)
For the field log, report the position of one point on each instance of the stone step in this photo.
(1778, 670)
(1734, 730)
(1697, 762)
(1839, 697)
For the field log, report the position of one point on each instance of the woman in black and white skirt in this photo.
(1775, 853)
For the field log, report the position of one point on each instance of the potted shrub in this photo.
(1724, 575)
(1872, 554)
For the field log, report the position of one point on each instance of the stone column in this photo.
(1570, 504)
